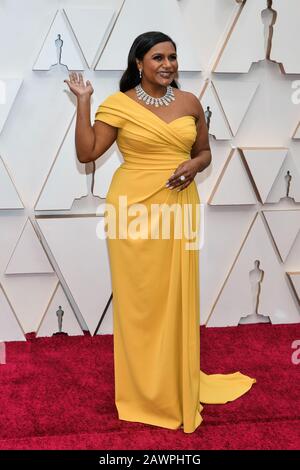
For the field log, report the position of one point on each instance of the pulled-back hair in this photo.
(139, 48)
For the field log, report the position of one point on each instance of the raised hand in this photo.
(77, 86)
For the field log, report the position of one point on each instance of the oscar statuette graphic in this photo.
(60, 314)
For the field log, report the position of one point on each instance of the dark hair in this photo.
(139, 48)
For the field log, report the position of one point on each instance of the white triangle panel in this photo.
(10, 229)
(219, 252)
(245, 44)
(235, 97)
(206, 180)
(142, 16)
(9, 198)
(235, 299)
(30, 308)
(29, 256)
(283, 184)
(10, 329)
(264, 165)
(69, 54)
(284, 226)
(99, 21)
(286, 32)
(83, 261)
(55, 193)
(66, 168)
(233, 186)
(218, 126)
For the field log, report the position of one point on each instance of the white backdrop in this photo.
(51, 205)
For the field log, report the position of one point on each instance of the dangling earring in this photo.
(140, 70)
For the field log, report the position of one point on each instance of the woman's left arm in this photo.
(200, 151)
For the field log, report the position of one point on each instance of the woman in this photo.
(155, 280)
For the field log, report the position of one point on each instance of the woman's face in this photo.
(160, 58)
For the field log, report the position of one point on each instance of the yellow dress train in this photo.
(155, 281)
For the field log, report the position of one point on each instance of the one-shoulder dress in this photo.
(155, 279)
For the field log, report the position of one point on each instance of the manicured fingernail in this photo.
(167, 185)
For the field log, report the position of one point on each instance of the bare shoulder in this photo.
(194, 102)
(191, 102)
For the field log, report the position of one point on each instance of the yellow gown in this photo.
(155, 281)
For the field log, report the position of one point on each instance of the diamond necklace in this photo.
(163, 100)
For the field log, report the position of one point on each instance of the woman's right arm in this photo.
(90, 141)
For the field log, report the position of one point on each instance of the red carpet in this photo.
(58, 393)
